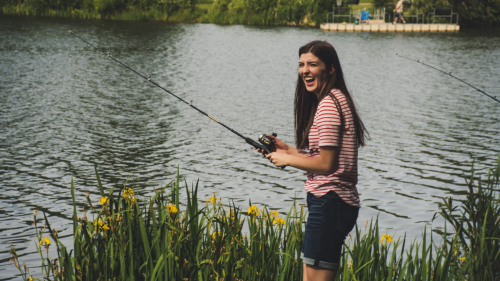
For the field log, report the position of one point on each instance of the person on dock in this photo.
(399, 12)
(328, 132)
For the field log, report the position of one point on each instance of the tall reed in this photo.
(154, 239)
(129, 237)
(471, 251)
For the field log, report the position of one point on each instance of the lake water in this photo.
(64, 107)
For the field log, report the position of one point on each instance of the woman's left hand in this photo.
(279, 159)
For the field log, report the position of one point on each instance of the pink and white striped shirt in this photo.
(326, 131)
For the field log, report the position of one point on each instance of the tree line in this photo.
(472, 13)
(254, 12)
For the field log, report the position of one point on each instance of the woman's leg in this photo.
(330, 220)
(313, 273)
(304, 272)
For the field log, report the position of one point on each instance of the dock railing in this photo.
(418, 17)
(339, 12)
(415, 16)
(378, 14)
(442, 13)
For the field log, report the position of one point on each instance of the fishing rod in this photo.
(449, 74)
(267, 145)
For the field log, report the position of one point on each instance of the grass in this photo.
(154, 239)
(356, 7)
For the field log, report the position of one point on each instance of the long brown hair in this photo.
(306, 102)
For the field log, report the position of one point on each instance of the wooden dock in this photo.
(389, 27)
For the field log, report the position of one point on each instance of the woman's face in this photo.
(314, 72)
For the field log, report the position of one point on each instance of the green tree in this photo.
(106, 7)
(478, 13)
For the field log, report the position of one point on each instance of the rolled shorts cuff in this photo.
(322, 264)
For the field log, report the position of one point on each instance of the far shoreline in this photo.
(197, 16)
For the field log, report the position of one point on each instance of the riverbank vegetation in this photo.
(260, 12)
(472, 13)
(124, 237)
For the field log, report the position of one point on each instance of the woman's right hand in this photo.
(280, 145)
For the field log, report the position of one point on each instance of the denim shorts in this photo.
(330, 221)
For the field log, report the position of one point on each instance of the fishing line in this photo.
(449, 74)
(267, 144)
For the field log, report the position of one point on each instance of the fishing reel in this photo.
(268, 143)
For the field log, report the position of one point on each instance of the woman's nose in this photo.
(305, 69)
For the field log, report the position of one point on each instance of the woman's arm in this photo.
(285, 148)
(322, 164)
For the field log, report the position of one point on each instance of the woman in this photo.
(327, 124)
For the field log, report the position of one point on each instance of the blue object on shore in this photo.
(365, 15)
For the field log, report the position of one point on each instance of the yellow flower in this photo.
(253, 210)
(462, 259)
(215, 234)
(231, 214)
(98, 222)
(172, 209)
(274, 214)
(46, 240)
(386, 237)
(128, 193)
(103, 200)
(31, 279)
(101, 224)
(212, 199)
(279, 221)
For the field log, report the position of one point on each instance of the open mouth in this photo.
(309, 80)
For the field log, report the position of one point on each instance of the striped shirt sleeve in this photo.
(327, 120)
